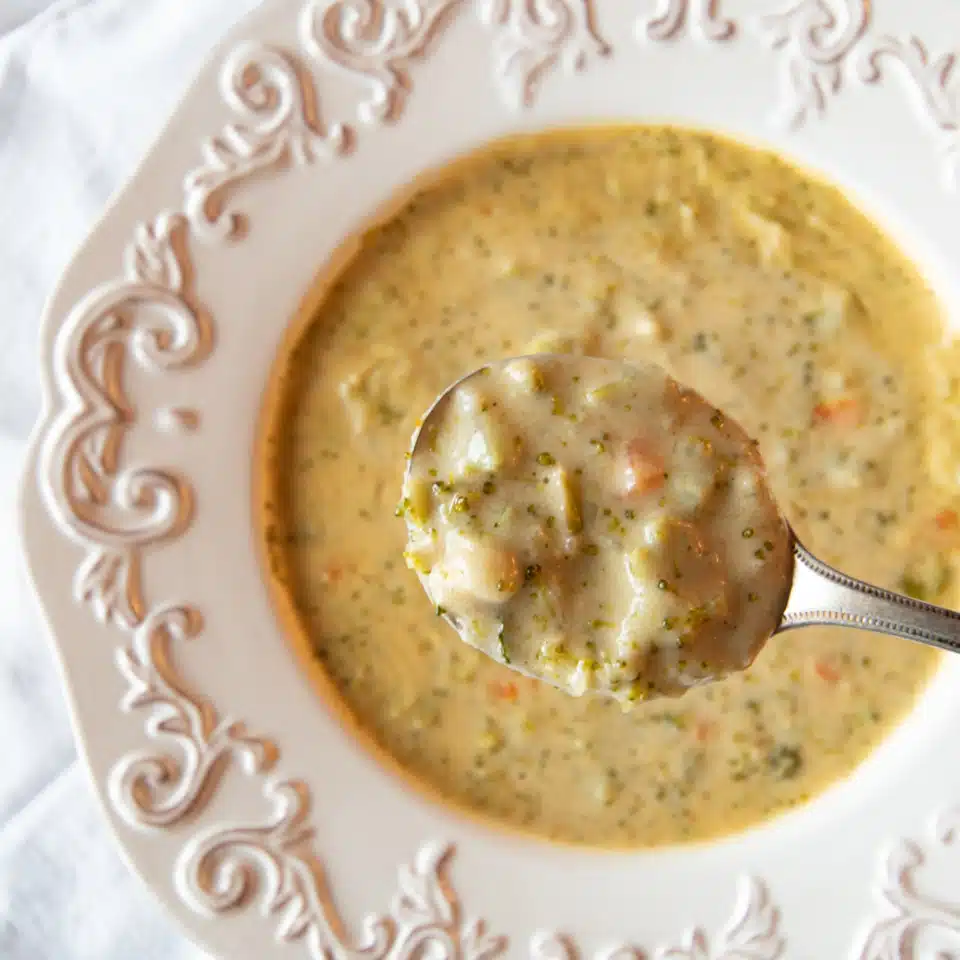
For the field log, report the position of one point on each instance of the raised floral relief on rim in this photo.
(150, 321)
(375, 43)
(674, 16)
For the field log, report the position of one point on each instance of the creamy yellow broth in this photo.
(760, 287)
(596, 525)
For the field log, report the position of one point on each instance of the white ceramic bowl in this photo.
(231, 786)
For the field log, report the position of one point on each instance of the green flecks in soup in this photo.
(764, 290)
(640, 573)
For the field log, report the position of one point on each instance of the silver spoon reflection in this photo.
(603, 528)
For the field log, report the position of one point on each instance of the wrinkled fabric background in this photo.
(84, 87)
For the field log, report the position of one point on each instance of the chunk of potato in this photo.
(470, 567)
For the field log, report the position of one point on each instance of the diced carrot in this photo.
(826, 672)
(642, 468)
(839, 413)
(947, 520)
(501, 690)
(703, 731)
(335, 572)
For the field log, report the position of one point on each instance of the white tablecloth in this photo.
(84, 86)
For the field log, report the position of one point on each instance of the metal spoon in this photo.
(818, 594)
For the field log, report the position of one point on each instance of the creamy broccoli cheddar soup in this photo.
(596, 525)
(761, 288)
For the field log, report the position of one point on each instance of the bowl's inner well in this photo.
(759, 286)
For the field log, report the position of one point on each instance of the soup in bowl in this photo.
(752, 281)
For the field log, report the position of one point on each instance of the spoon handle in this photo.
(821, 595)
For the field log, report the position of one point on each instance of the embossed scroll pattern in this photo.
(150, 321)
(674, 15)
(374, 42)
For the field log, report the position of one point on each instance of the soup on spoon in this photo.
(596, 525)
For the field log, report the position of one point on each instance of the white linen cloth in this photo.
(14, 13)
(84, 87)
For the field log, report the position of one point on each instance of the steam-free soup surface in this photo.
(761, 288)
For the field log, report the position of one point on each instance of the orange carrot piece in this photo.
(703, 731)
(500, 690)
(642, 469)
(839, 413)
(335, 572)
(826, 672)
(947, 520)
